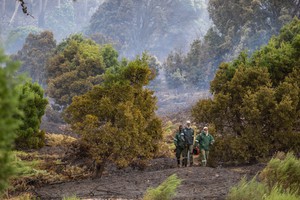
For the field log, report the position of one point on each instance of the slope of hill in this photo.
(156, 26)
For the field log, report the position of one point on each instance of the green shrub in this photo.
(255, 103)
(280, 180)
(277, 194)
(283, 172)
(33, 105)
(248, 148)
(71, 198)
(9, 104)
(251, 190)
(164, 191)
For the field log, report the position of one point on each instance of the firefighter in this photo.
(189, 137)
(180, 143)
(204, 140)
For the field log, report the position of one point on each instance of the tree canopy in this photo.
(237, 26)
(117, 119)
(258, 96)
(76, 66)
(34, 55)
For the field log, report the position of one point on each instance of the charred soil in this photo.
(197, 182)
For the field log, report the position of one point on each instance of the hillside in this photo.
(155, 26)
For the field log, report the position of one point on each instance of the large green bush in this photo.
(33, 105)
(256, 102)
(76, 66)
(9, 104)
(117, 119)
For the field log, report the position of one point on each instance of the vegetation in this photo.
(164, 191)
(9, 104)
(228, 37)
(35, 52)
(116, 119)
(77, 65)
(156, 26)
(33, 105)
(256, 98)
(71, 198)
(283, 171)
(280, 180)
(196, 68)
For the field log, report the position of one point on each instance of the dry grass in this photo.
(54, 140)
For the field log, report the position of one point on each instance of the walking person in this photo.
(204, 140)
(180, 143)
(189, 137)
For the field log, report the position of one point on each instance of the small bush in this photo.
(32, 104)
(283, 172)
(280, 181)
(277, 194)
(164, 191)
(249, 148)
(166, 145)
(71, 198)
(251, 190)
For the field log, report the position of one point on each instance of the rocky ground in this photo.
(197, 182)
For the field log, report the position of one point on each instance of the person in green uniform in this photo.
(204, 140)
(189, 137)
(180, 143)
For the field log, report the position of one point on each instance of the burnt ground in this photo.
(197, 182)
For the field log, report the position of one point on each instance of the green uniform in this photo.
(189, 137)
(180, 143)
(204, 141)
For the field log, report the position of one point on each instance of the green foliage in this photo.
(284, 173)
(256, 101)
(251, 190)
(231, 35)
(164, 191)
(276, 194)
(253, 26)
(76, 67)
(117, 119)
(71, 198)
(279, 180)
(26, 168)
(34, 54)
(33, 105)
(9, 104)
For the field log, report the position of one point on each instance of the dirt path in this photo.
(198, 183)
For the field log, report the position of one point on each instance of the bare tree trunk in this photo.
(15, 12)
(58, 3)
(99, 169)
